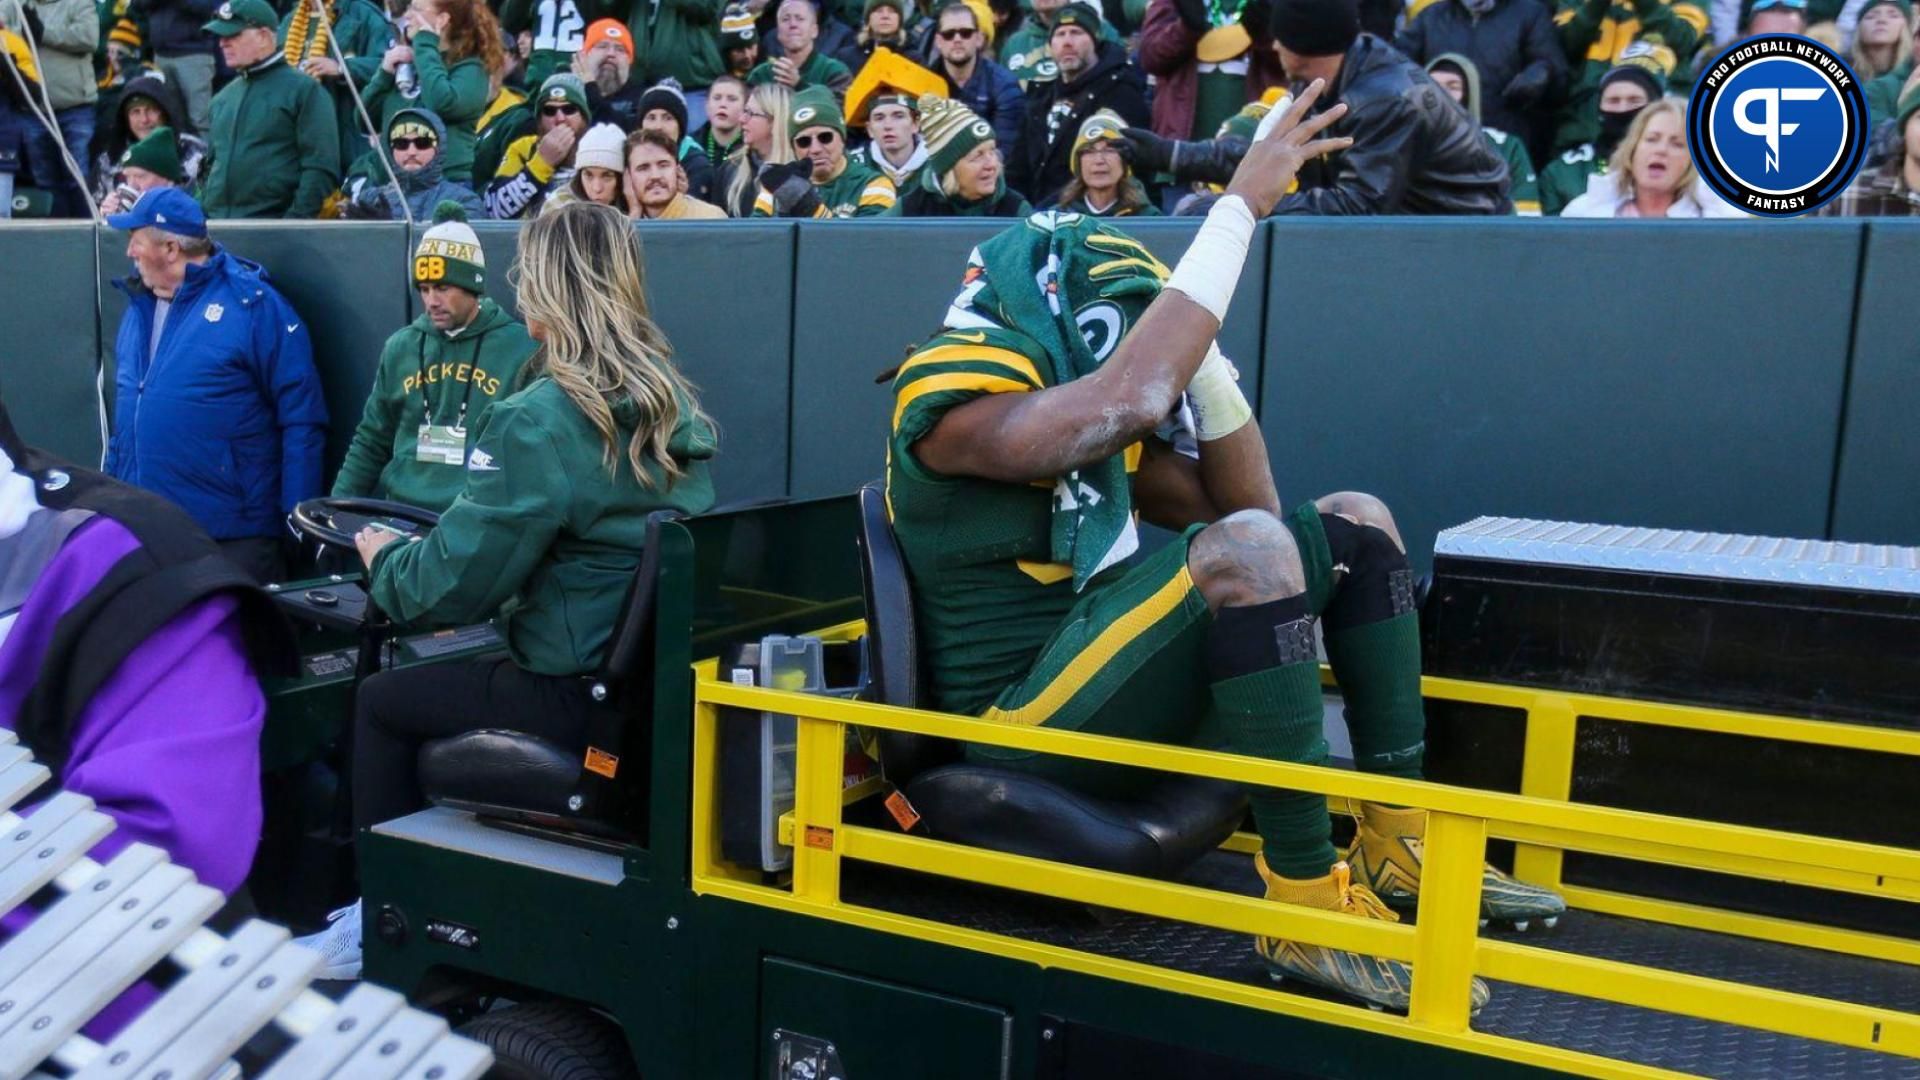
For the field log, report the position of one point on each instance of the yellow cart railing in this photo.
(1444, 946)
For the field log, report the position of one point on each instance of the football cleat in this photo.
(1387, 854)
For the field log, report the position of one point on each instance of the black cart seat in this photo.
(1160, 832)
(511, 775)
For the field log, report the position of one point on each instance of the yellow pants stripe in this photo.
(1098, 654)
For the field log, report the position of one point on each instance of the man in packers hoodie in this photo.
(436, 376)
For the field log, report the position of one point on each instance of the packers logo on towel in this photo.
(803, 114)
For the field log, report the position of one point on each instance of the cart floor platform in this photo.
(1643, 1036)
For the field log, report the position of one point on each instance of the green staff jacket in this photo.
(276, 146)
(425, 376)
(543, 533)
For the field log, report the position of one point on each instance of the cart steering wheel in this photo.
(334, 521)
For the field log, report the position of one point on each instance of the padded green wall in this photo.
(48, 339)
(1680, 374)
(1876, 495)
(348, 281)
(728, 325)
(863, 298)
(1677, 374)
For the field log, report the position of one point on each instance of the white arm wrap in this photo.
(1219, 408)
(1211, 267)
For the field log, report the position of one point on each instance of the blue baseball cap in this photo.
(165, 208)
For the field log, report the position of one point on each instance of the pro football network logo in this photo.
(1778, 125)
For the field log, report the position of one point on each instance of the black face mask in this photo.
(1613, 128)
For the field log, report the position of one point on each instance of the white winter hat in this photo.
(602, 147)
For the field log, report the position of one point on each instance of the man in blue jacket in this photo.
(219, 407)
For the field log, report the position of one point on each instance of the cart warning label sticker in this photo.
(904, 815)
(322, 665)
(599, 761)
(820, 837)
(450, 933)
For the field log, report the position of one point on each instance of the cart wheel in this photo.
(552, 1040)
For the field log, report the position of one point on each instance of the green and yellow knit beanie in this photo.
(449, 253)
(158, 153)
(1102, 126)
(952, 131)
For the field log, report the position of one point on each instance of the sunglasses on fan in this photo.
(802, 142)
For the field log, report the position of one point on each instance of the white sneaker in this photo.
(338, 945)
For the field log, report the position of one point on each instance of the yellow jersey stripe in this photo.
(982, 354)
(1097, 655)
(959, 380)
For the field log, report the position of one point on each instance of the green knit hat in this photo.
(563, 86)
(952, 131)
(1102, 126)
(897, 5)
(158, 153)
(815, 107)
(1909, 104)
(450, 253)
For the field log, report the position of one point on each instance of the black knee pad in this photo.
(1378, 583)
(1243, 640)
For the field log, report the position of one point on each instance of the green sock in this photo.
(1378, 668)
(1278, 714)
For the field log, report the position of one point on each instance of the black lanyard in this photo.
(426, 403)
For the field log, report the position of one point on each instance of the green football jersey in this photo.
(987, 594)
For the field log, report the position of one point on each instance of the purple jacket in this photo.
(169, 747)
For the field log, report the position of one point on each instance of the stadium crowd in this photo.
(383, 109)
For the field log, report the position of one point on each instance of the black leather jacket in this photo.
(1414, 150)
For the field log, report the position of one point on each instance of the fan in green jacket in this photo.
(274, 139)
(450, 66)
(436, 377)
(797, 28)
(822, 181)
(1624, 91)
(1460, 78)
(1883, 93)
(311, 39)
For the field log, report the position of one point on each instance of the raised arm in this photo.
(1019, 438)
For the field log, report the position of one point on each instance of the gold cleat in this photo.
(1379, 983)
(1387, 854)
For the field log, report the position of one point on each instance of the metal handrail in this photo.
(1444, 947)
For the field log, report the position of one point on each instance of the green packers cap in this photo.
(815, 107)
(564, 87)
(234, 16)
